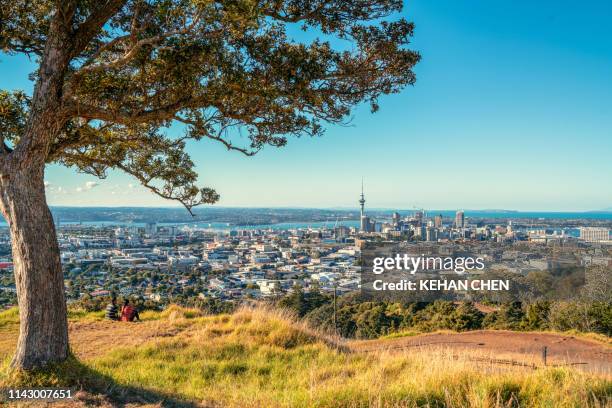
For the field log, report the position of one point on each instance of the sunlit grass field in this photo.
(263, 358)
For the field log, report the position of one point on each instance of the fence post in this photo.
(335, 317)
(544, 353)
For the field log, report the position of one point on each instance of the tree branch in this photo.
(161, 113)
(188, 200)
(131, 53)
(227, 144)
(92, 26)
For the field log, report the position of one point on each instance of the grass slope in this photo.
(261, 357)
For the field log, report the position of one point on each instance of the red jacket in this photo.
(128, 313)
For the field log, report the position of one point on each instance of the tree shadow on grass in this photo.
(92, 387)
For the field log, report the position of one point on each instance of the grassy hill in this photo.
(260, 357)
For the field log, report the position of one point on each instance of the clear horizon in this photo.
(512, 109)
(340, 208)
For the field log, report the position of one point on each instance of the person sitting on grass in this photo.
(112, 310)
(129, 312)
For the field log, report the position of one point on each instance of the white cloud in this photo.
(87, 186)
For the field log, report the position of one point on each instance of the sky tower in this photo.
(362, 200)
(364, 222)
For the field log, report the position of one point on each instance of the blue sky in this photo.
(512, 109)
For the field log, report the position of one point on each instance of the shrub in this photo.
(536, 316)
(466, 317)
(567, 316)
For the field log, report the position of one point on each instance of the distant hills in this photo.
(606, 210)
(263, 216)
(235, 216)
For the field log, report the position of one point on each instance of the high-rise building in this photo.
(431, 234)
(396, 218)
(371, 225)
(365, 225)
(460, 219)
(419, 232)
(151, 228)
(594, 234)
(418, 216)
(438, 221)
(341, 232)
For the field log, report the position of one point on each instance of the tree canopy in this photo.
(232, 71)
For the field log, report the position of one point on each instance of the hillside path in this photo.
(524, 347)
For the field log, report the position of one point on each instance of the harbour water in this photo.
(502, 216)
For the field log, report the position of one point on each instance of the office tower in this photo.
(460, 219)
(151, 228)
(594, 234)
(438, 221)
(365, 224)
(418, 216)
(431, 234)
(341, 232)
(371, 225)
(396, 219)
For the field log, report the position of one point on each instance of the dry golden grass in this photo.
(263, 358)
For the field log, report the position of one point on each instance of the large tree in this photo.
(113, 76)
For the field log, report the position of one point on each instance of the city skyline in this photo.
(521, 121)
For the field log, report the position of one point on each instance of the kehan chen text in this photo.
(442, 285)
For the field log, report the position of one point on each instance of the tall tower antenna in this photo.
(362, 199)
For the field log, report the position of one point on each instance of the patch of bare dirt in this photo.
(92, 339)
(521, 347)
(89, 339)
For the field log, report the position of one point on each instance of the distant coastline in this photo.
(266, 217)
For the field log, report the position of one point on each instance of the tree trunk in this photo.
(43, 333)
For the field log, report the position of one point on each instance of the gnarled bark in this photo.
(43, 334)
